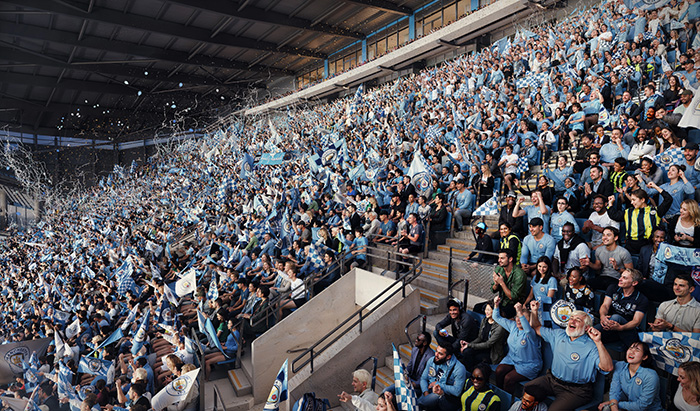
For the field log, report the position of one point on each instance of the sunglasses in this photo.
(477, 378)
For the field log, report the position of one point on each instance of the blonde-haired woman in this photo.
(687, 396)
(686, 225)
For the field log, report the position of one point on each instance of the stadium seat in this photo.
(506, 398)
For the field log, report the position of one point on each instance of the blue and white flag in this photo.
(95, 366)
(177, 391)
(213, 292)
(646, 4)
(187, 284)
(315, 163)
(603, 117)
(432, 135)
(132, 169)
(15, 404)
(404, 393)
(420, 174)
(211, 336)
(278, 393)
(166, 314)
(117, 335)
(671, 349)
(332, 153)
(141, 334)
(523, 166)
(357, 173)
(669, 157)
(490, 207)
(130, 318)
(126, 284)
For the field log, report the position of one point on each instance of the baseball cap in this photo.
(481, 225)
(511, 194)
(687, 93)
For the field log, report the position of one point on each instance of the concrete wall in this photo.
(318, 317)
(301, 329)
(334, 374)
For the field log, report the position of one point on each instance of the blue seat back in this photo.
(506, 398)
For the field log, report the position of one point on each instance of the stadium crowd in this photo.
(228, 234)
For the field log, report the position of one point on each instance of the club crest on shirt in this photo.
(482, 407)
(431, 371)
(638, 381)
(523, 341)
(575, 356)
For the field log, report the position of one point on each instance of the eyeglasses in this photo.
(474, 378)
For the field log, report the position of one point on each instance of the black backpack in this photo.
(309, 402)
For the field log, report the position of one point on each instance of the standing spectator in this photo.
(483, 243)
(524, 359)
(578, 356)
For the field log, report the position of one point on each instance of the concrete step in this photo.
(239, 381)
(427, 308)
(228, 400)
(434, 298)
(385, 377)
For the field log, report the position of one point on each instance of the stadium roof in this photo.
(118, 68)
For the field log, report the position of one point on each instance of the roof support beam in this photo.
(383, 5)
(265, 16)
(50, 82)
(103, 15)
(101, 44)
(115, 68)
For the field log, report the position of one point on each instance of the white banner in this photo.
(12, 355)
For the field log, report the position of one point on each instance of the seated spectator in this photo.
(546, 192)
(577, 292)
(509, 162)
(561, 217)
(598, 220)
(462, 326)
(611, 260)
(510, 241)
(359, 249)
(532, 400)
(571, 251)
(510, 282)
(524, 359)
(420, 355)
(642, 148)
(536, 245)
(687, 396)
(478, 395)
(635, 385)
(260, 319)
(681, 314)
(578, 356)
(598, 185)
(297, 298)
(463, 205)
(686, 225)
(616, 148)
(483, 243)
(442, 382)
(387, 228)
(559, 174)
(649, 172)
(412, 240)
(488, 346)
(543, 286)
(365, 399)
(623, 309)
(506, 216)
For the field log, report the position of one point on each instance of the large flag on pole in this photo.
(490, 207)
(140, 337)
(187, 284)
(177, 391)
(420, 176)
(405, 395)
(278, 393)
(671, 349)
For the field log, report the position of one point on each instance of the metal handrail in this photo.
(418, 317)
(217, 396)
(374, 369)
(360, 313)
